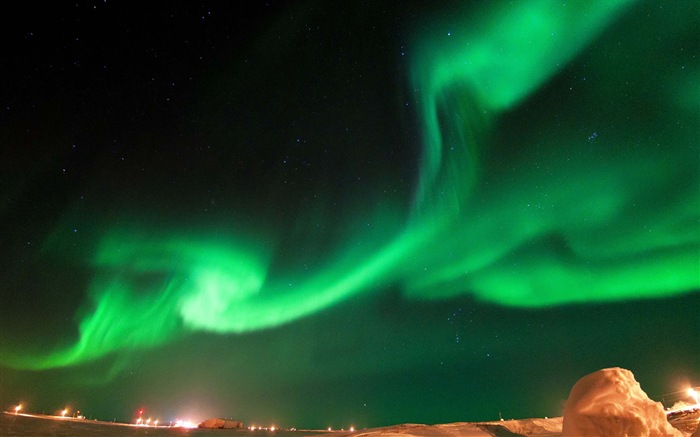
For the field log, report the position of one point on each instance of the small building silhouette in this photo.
(216, 423)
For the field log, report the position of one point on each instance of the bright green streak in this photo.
(495, 60)
(596, 226)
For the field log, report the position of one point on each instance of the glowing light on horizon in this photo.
(184, 424)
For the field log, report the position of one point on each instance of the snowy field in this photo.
(12, 425)
(21, 426)
(606, 403)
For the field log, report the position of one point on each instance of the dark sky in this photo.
(319, 214)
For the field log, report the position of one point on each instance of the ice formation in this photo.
(610, 402)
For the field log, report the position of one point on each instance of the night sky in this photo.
(322, 214)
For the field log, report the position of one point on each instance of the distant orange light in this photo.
(64, 412)
(184, 424)
(694, 394)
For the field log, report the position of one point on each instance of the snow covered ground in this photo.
(606, 403)
(510, 428)
(609, 402)
(526, 427)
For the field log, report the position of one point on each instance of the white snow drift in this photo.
(610, 402)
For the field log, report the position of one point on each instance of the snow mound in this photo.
(610, 402)
(533, 427)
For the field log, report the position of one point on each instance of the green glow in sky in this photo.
(601, 223)
(484, 65)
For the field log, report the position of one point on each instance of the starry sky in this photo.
(314, 214)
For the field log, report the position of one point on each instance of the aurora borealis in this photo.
(380, 214)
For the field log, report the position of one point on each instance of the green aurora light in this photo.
(586, 230)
